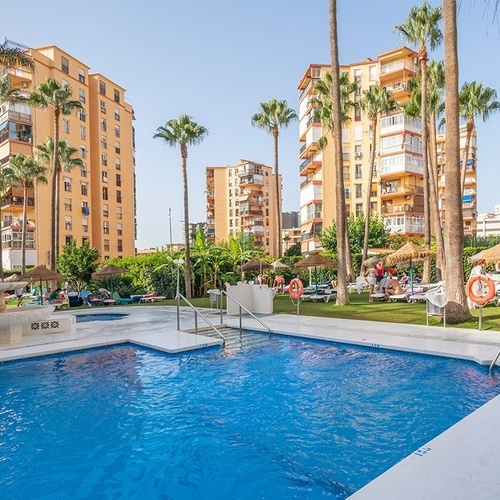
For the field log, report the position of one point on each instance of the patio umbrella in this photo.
(489, 255)
(254, 265)
(314, 259)
(42, 273)
(280, 265)
(408, 252)
(109, 272)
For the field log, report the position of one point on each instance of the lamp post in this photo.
(178, 263)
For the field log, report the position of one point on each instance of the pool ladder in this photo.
(495, 359)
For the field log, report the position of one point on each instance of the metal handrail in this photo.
(196, 312)
(223, 292)
(494, 361)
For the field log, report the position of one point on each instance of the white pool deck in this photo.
(461, 463)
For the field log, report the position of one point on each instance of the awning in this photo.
(466, 199)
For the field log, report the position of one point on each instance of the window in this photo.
(104, 159)
(81, 115)
(117, 95)
(106, 245)
(359, 172)
(372, 73)
(359, 209)
(117, 114)
(117, 130)
(104, 176)
(359, 190)
(104, 143)
(64, 65)
(83, 152)
(118, 164)
(105, 227)
(105, 211)
(103, 106)
(67, 223)
(117, 148)
(118, 180)
(67, 204)
(347, 193)
(85, 225)
(65, 126)
(85, 188)
(358, 155)
(102, 88)
(229, 172)
(118, 196)
(119, 230)
(83, 170)
(357, 75)
(119, 213)
(104, 193)
(81, 93)
(67, 184)
(83, 133)
(357, 115)
(68, 239)
(120, 245)
(85, 208)
(81, 75)
(103, 124)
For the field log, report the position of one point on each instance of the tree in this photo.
(26, 171)
(77, 264)
(51, 94)
(374, 102)
(421, 28)
(475, 100)
(8, 93)
(67, 159)
(340, 212)
(12, 57)
(4, 187)
(456, 308)
(182, 133)
(273, 115)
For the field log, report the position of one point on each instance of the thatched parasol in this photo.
(109, 272)
(280, 265)
(489, 255)
(254, 265)
(408, 252)
(314, 259)
(41, 273)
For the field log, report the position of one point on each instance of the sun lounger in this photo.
(398, 296)
(377, 296)
(325, 297)
(152, 297)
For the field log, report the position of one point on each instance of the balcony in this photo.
(396, 68)
(16, 202)
(250, 179)
(248, 170)
(19, 77)
(405, 224)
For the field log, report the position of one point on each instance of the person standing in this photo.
(371, 278)
(379, 270)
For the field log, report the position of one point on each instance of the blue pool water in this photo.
(294, 419)
(84, 318)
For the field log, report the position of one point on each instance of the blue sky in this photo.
(216, 61)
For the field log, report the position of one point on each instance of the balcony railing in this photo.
(17, 201)
(396, 66)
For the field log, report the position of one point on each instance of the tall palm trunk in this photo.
(58, 206)
(470, 129)
(1, 242)
(456, 309)
(187, 248)
(368, 194)
(54, 248)
(422, 56)
(279, 247)
(342, 296)
(440, 258)
(24, 228)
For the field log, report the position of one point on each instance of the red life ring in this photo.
(480, 300)
(296, 288)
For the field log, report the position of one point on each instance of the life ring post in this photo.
(480, 299)
(296, 290)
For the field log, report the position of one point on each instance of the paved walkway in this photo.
(461, 463)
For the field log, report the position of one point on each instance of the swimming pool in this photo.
(293, 419)
(84, 318)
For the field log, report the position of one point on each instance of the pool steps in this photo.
(234, 338)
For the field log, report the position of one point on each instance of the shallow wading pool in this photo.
(292, 419)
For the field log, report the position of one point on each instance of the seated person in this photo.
(393, 287)
(55, 296)
(47, 293)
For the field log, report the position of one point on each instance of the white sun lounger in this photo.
(396, 297)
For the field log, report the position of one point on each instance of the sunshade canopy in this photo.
(109, 271)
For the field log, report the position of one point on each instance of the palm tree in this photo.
(374, 102)
(27, 171)
(183, 132)
(8, 93)
(273, 115)
(421, 28)
(51, 94)
(340, 212)
(67, 159)
(475, 100)
(12, 57)
(456, 308)
(5, 184)
(325, 113)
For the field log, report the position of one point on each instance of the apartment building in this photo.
(241, 199)
(397, 190)
(97, 201)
